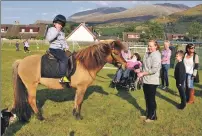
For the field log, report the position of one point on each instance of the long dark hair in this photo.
(188, 46)
(137, 56)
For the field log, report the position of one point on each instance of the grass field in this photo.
(106, 111)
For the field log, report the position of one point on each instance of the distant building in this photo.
(130, 36)
(174, 37)
(22, 31)
(82, 33)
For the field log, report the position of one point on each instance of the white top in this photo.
(26, 44)
(189, 65)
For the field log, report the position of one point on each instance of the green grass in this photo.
(106, 111)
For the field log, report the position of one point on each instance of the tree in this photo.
(129, 29)
(67, 29)
(154, 30)
(194, 30)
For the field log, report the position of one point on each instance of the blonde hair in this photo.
(167, 41)
(155, 43)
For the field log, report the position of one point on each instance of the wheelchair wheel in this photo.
(139, 86)
(112, 85)
(132, 89)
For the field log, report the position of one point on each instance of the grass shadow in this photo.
(71, 133)
(124, 94)
(198, 92)
(171, 92)
(111, 75)
(166, 98)
(14, 128)
(64, 95)
(128, 97)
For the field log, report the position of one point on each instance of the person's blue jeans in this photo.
(62, 58)
(164, 74)
(189, 85)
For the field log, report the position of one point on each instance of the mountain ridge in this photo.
(139, 11)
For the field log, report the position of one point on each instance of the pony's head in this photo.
(94, 56)
(115, 56)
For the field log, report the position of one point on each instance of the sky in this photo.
(27, 12)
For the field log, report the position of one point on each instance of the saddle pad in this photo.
(50, 66)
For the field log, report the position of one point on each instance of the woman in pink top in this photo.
(165, 61)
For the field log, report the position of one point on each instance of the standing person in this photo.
(180, 76)
(191, 62)
(17, 46)
(58, 45)
(165, 61)
(26, 46)
(150, 74)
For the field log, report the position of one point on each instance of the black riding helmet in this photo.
(60, 19)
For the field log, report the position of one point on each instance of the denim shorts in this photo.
(189, 81)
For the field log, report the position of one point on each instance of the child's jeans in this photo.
(62, 58)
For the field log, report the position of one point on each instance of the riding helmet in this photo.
(60, 19)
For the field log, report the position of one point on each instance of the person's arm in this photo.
(196, 65)
(156, 64)
(181, 73)
(65, 46)
(52, 34)
(63, 41)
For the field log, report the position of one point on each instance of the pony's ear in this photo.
(112, 45)
(117, 45)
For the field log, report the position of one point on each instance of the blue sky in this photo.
(27, 12)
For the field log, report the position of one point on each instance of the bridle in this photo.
(115, 57)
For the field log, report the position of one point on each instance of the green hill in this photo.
(189, 15)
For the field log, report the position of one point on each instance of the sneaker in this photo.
(64, 80)
(149, 120)
(181, 106)
(160, 86)
(143, 117)
(165, 88)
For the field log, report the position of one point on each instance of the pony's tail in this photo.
(20, 106)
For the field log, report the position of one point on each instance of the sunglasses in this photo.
(191, 48)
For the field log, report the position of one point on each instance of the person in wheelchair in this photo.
(130, 74)
(58, 45)
(126, 54)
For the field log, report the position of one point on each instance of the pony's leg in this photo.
(78, 102)
(32, 100)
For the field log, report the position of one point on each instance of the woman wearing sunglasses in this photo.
(191, 62)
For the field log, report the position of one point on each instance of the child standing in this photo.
(58, 45)
(26, 46)
(180, 76)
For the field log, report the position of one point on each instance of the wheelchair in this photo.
(131, 83)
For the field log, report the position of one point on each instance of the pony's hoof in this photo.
(78, 117)
(74, 112)
(40, 117)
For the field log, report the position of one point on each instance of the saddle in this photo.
(50, 65)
